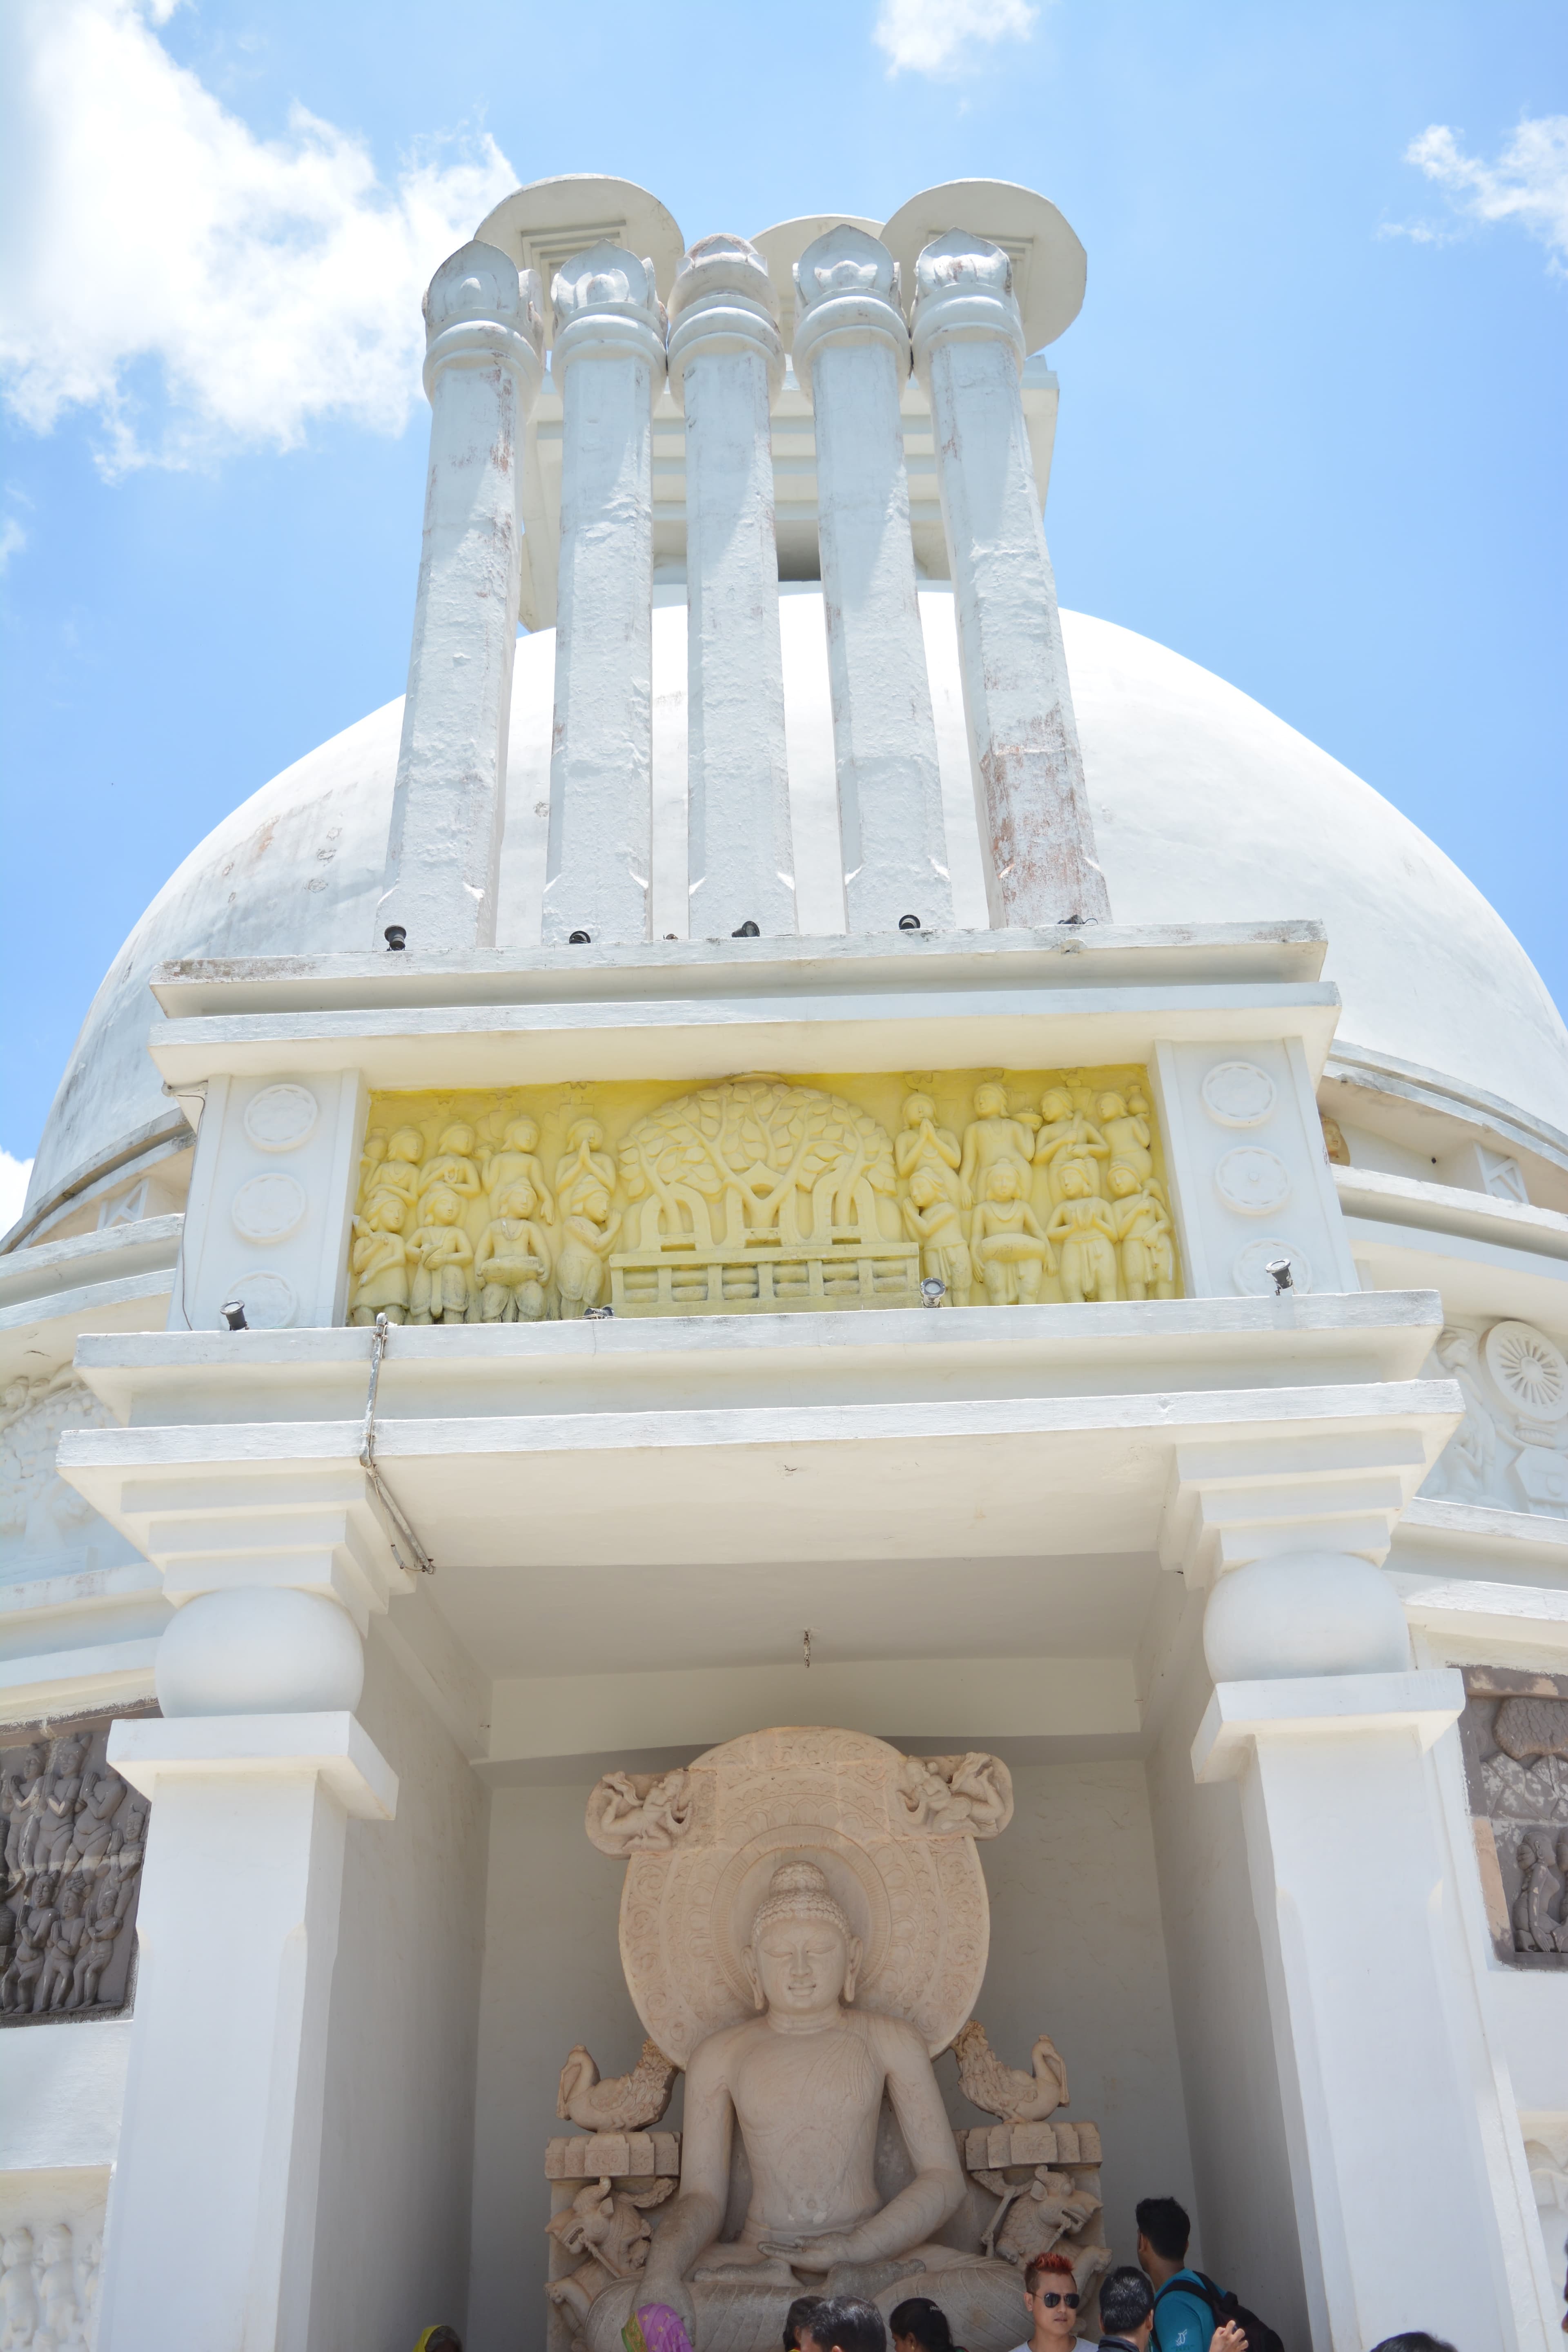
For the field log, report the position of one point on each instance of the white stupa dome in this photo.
(1207, 809)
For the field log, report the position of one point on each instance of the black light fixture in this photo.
(1279, 1269)
(909, 923)
(746, 931)
(580, 940)
(597, 1314)
(396, 939)
(233, 1313)
(934, 1290)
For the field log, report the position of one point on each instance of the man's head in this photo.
(840, 2323)
(1164, 2231)
(1127, 2305)
(804, 1956)
(798, 2318)
(1051, 2292)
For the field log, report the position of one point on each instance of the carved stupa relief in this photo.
(75, 1834)
(1514, 1735)
(761, 1194)
(803, 1929)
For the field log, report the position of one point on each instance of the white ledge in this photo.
(1445, 1209)
(47, 1268)
(1322, 1706)
(259, 1747)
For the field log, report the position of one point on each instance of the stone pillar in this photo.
(609, 362)
(852, 357)
(1036, 837)
(482, 369)
(1390, 2096)
(253, 1770)
(726, 364)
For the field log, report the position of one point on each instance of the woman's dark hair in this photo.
(925, 2321)
(797, 2316)
(1414, 2340)
(842, 2320)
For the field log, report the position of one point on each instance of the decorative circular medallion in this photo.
(1530, 1372)
(269, 1301)
(280, 1118)
(1238, 1093)
(268, 1208)
(1253, 1180)
(915, 1900)
(1250, 1273)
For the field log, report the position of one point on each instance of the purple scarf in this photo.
(655, 2328)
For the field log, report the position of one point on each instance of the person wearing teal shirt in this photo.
(1182, 2322)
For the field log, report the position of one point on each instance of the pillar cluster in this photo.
(723, 350)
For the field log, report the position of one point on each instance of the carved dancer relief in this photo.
(639, 1812)
(1510, 1450)
(75, 1835)
(761, 1194)
(1514, 1736)
(49, 2267)
(957, 1796)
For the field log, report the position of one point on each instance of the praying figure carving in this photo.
(450, 1167)
(1084, 1226)
(921, 1147)
(1068, 1138)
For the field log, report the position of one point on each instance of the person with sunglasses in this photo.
(1052, 2300)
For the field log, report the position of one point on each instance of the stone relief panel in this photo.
(1514, 1734)
(1510, 1451)
(51, 2254)
(75, 1837)
(45, 1528)
(761, 1195)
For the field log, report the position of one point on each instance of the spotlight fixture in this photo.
(909, 923)
(933, 1290)
(597, 1314)
(233, 1313)
(580, 940)
(746, 931)
(1279, 1269)
(396, 939)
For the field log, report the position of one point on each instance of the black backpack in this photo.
(1260, 2336)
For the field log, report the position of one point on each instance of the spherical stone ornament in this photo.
(1237, 1094)
(1250, 1272)
(1304, 1612)
(268, 1208)
(281, 1118)
(1529, 1370)
(1253, 1180)
(259, 1650)
(268, 1299)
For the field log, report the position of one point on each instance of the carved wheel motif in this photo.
(1237, 1094)
(1253, 1180)
(1530, 1372)
(268, 1208)
(280, 1118)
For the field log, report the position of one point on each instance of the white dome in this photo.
(1207, 808)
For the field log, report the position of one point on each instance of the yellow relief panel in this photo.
(762, 1194)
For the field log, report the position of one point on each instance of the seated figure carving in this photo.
(804, 2084)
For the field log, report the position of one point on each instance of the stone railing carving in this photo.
(760, 1195)
(1510, 1451)
(51, 2254)
(75, 1837)
(1514, 1734)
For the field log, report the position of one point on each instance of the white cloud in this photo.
(269, 282)
(13, 539)
(1528, 184)
(13, 1177)
(934, 36)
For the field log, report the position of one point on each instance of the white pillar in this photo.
(213, 2212)
(1036, 837)
(609, 362)
(482, 369)
(726, 362)
(852, 357)
(1390, 2097)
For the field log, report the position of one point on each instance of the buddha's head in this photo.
(803, 1957)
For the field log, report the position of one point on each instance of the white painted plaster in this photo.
(61, 2091)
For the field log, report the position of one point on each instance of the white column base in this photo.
(213, 2213)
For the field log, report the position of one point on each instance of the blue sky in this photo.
(1311, 424)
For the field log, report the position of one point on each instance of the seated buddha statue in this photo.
(804, 2082)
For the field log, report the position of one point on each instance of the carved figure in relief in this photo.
(67, 1929)
(62, 2315)
(379, 1261)
(511, 1264)
(921, 1146)
(588, 1236)
(103, 1792)
(18, 2302)
(516, 1163)
(98, 1944)
(1534, 1929)
(398, 1173)
(1143, 1230)
(1124, 1124)
(34, 1919)
(57, 1817)
(804, 2082)
(1014, 1255)
(1084, 1226)
(627, 2102)
(450, 1167)
(956, 1796)
(585, 1167)
(1468, 1463)
(371, 1159)
(643, 1812)
(1035, 2213)
(933, 1218)
(1006, 2092)
(610, 2227)
(995, 1136)
(442, 1290)
(126, 1849)
(1066, 1137)
(21, 1796)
